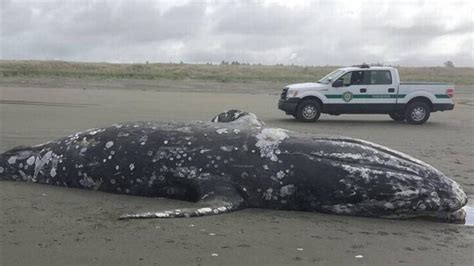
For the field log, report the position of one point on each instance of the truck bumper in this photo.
(442, 107)
(288, 105)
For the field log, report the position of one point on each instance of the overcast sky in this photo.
(408, 33)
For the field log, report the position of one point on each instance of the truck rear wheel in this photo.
(417, 113)
(397, 116)
(308, 111)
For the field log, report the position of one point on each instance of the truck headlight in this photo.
(292, 93)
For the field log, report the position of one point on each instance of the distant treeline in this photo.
(224, 72)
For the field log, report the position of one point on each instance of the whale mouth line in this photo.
(462, 216)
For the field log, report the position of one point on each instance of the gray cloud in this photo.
(258, 20)
(270, 32)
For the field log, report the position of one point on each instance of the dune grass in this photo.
(222, 73)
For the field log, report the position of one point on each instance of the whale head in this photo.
(356, 177)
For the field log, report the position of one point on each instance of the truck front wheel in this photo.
(308, 111)
(397, 116)
(417, 113)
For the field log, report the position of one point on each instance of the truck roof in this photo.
(366, 67)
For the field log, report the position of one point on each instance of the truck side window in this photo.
(380, 77)
(357, 78)
(346, 79)
(353, 78)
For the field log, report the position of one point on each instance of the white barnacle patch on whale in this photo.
(109, 144)
(342, 208)
(185, 172)
(87, 182)
(406, 193)
(1, 170)
(40, 162)
(131, 166)
(362, 172)
(280, 174)
(12, 160)
(143, 140)
(287, 190)
(267, 195)
(205, 210)
(123, 134)
(204, 151)
(184, 129)
(268, 141)
(352, 156)
(31, 160)
(94, 131)
(222, 131)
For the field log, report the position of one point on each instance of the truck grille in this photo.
(283, 94)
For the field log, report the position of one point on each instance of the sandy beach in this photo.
(45, 225)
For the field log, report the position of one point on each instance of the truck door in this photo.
(381, 92)
(346, 99)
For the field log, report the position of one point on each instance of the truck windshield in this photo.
(330, 77)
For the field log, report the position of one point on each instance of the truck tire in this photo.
(308, 111)
(397, 116)
(417, 113)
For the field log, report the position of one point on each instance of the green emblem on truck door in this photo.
(347, 96)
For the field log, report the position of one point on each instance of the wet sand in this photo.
(54, 225)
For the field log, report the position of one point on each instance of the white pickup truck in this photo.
(366, 90)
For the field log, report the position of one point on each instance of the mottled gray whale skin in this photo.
(234, 162)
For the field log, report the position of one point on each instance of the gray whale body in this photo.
(234, 162)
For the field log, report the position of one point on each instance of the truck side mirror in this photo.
(337, 83)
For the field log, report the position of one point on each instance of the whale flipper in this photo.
(225, 199)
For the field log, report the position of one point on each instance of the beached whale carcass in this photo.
(234, 162)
